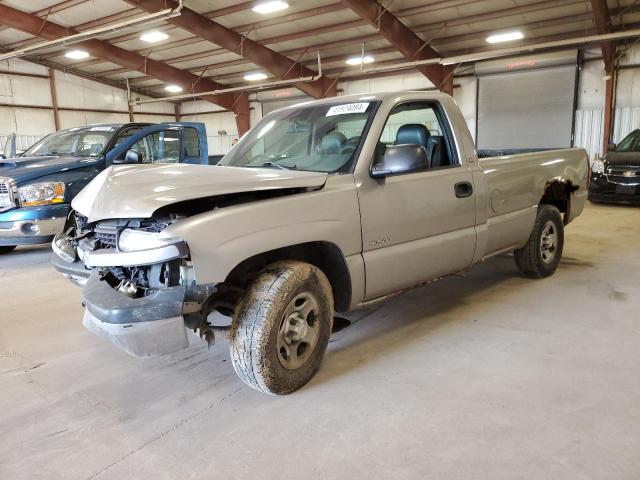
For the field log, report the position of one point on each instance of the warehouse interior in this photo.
(480, 374)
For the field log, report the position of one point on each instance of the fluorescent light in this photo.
(76, 54)
(270, 6)
(252, 77)
(153, 37)
(505, 37)
(360, 60)
(173, 88)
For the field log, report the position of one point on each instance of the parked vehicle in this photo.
(36, 189)
(325, 206)
(616, 177)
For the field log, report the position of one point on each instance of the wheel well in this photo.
(326, 256)
(558, 194)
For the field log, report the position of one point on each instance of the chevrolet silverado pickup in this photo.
(322, 207)
(36, 188)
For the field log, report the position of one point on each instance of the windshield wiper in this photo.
(277, 165)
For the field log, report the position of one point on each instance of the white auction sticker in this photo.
(347, 108)
(101, 129)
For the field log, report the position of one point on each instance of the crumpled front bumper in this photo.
(142, 327)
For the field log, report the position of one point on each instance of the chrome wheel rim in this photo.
(548, 242)
(299, 331)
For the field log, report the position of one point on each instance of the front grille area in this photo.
(7, 194)
(624, 174)
(106, 234)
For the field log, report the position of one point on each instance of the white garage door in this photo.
(526, 110)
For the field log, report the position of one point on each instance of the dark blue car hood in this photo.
(25, 169)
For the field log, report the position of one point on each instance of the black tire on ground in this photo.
(281, 327)
(7, 249)
(541, 255)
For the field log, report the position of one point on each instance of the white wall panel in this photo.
(77, 92)
(589, 133)
(32, 121)
(193, 107)
(391, 83)
(69, 118)
(30, 91)
(141, 117)
(465, 97)
(218, 144)
(19, 65)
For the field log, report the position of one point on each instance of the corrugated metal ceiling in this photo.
(451, 26)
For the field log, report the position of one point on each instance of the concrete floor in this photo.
(488, 376)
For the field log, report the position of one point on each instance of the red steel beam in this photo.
(54, 99)
(407, 42)
(34, 25)
(280, 66)
(603, 25)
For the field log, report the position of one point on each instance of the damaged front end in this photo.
(139, 289)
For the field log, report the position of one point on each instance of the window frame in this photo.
(447, 135)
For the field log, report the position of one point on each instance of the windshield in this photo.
(630, 143)
(81, 142)
(321, 138)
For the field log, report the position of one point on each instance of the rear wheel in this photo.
(541, 255)
(7, 249)
(281, 327)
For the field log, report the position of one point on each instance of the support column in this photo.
(54, 99)
(609, 105)
(131, 116)
(609, 95)
(446, 85)
(241, 112)
(176, 111)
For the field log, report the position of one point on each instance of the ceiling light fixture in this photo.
(173, 88)
(360, 60)
(270, 6)
(153, 37)
(505, 37)
(77, 54)
(252, 77)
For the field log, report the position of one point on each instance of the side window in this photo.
(419, 128)
(191, 142)
(125, 134)
(160, 147)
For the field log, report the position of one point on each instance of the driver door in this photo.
(156, 144)
(417, 225)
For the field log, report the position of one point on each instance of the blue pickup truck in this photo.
(36, 188)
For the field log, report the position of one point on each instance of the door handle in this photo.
(463, 189)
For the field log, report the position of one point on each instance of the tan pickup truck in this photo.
(322, 207)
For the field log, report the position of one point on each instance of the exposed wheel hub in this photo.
(548, 242)
(299, 331)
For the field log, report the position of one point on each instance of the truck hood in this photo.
(25, 169)
(136, 191)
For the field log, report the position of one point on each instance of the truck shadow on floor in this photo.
(419, 313)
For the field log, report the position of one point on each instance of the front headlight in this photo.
(135, 240)
(46, 193)
(597, 166)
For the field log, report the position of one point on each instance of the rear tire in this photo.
(541, 255)
(7, 249)
(281, 327)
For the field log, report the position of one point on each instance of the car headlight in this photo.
(597, 166)
(134, 240)
(46, 193)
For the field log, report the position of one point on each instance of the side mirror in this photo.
(399, 159)
(132, 156)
